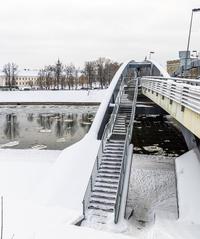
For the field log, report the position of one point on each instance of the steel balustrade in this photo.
(183, 91)
(125, 156)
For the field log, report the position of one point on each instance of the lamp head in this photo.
(196, 9)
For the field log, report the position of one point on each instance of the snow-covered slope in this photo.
(188, 178)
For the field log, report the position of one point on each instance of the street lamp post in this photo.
(151, 69)
(150, 53)
(188, 43)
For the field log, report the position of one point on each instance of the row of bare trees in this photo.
(100, 72)
(97, 73)
(58, 76)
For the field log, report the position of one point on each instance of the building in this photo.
(185, 66)
(173, 66)
(25, 78)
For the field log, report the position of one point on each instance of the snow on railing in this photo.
(125, 155)
(183, 91)
(195, 82)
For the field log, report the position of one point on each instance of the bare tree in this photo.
(100, 64)
(70, 72)
(58, 70)
(90, 72)
(10, 71)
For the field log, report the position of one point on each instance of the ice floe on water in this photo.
(9, 144)
(61, 140)
(39, 146)
(153, 148)
(45, 131)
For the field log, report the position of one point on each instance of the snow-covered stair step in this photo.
(118, 125)
(107, 181)
(104, 195)
(115, 152)
(95, 217)
(110, 167)
(113, 149)
(110, 160)
(104, 190)
(113, 156)
(107, 176)
(106, 160)
(121, 120)
(97, 213)
(105, 185)
(119, 129)
(111, 163)
(114, 146)
(110, 170)
(101, 207)
(116, 141)
(119, 133)
(104, 201)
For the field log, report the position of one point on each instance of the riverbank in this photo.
(60, 97)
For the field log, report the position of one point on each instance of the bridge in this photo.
(109, 178)
(94, 173)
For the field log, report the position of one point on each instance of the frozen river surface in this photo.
(44, 127)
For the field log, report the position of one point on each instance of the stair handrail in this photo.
(124, 156)
(107, 132)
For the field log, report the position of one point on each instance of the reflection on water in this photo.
(53, 126)
(11, 129)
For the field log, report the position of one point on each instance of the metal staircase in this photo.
(103, 195)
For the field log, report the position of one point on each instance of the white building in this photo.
(24, 78)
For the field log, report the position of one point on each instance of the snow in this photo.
(188, 178)
(65, 183)
(57, 96)
(22, 170)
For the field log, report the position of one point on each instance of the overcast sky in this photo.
(35, 33)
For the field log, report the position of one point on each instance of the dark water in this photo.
(53, 127)
(158, 136)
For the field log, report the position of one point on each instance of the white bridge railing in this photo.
(185, 92)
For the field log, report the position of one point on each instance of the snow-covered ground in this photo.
(56, 96)
(22, 170)
(152, 187)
